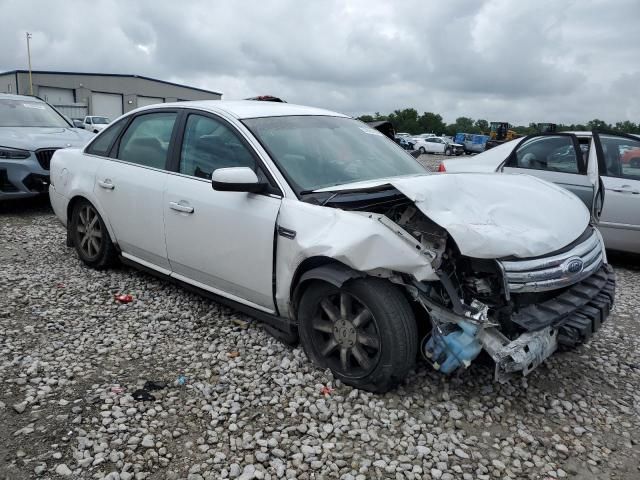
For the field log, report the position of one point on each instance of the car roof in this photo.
(11, 96)
(248, 108)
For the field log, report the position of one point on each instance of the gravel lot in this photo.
(238, 404)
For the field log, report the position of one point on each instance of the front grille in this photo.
(556, 271)
(44, 157)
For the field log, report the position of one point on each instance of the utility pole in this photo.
(29, 56)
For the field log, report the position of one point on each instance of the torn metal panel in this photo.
(359, 240)
(521, 355)
(494, 216)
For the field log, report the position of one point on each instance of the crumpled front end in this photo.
(487, 275)
(519, 311)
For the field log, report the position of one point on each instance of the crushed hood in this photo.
(495, 215)
(33, 138)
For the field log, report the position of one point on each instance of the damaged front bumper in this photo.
(567, 319)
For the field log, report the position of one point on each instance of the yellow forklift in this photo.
(499, 133)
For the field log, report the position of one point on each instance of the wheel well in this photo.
(71, 205)
(298, 287)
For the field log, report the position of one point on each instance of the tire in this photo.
(422, 150)
(374, 346)
(634, 162)
(90, 237)
(447, 152)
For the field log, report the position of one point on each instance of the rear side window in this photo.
(551, 153)
(146, 140)
(102, 144)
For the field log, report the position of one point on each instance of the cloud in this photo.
(500, 60)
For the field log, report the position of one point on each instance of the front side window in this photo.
(210, 144)
(621, 156)
(29, 113)
(315, 152)
(102, 144)
(551, 153)
(146, 141)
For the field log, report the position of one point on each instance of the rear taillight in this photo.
(441, 168)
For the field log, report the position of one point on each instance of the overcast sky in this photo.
(520, 61)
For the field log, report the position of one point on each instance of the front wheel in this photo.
(447, 152)
(364, 331)
(634, 163)
(90, 237)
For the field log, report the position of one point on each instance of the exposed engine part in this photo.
(456, 340)
(452, 346)
(523, 354)
(430, 235)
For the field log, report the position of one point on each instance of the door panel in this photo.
(620, 220)
(130, 188)
(132, 196)
(222, 241)
(225, 241)
(554, 158)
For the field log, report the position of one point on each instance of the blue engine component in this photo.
(453, 349)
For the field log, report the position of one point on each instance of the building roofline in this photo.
(122, 75)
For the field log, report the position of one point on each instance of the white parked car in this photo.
(330, 233)
(95, 124)
(435, 144)
(577, 161)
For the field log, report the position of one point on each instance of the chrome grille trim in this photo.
(550, 273)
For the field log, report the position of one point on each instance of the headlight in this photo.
(13, 154)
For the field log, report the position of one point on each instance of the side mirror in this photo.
(237, 179)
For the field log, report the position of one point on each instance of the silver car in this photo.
(30, 131)
(602, 169)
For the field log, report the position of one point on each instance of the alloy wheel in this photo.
(89, 231)
(346, 334)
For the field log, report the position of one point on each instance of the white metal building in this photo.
(78, 94)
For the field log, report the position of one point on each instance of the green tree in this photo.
(365, 118)
(482, 125)
(597, 124)
(405, 120)
(463, 124)
(432, 123)
(626, 127)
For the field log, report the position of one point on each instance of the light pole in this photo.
(29, 56)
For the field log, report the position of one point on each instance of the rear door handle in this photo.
(180, 208)
(106, 184)
(626, 189)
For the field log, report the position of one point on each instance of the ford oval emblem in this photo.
(573, 265)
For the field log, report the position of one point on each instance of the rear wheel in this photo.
(90, 237)
(365, 332)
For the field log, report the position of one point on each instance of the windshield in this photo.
(28, 113)
(100, 120)
(315, 152)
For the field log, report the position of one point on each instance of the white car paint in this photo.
(89, 124)
(619, 221)
(249, 247)
(433, 144)
(490, 224)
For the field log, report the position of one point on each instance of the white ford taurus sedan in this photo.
(331, 234)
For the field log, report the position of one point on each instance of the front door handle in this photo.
(106, 184)
(180, 208)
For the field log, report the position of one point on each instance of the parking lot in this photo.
(232, 402)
